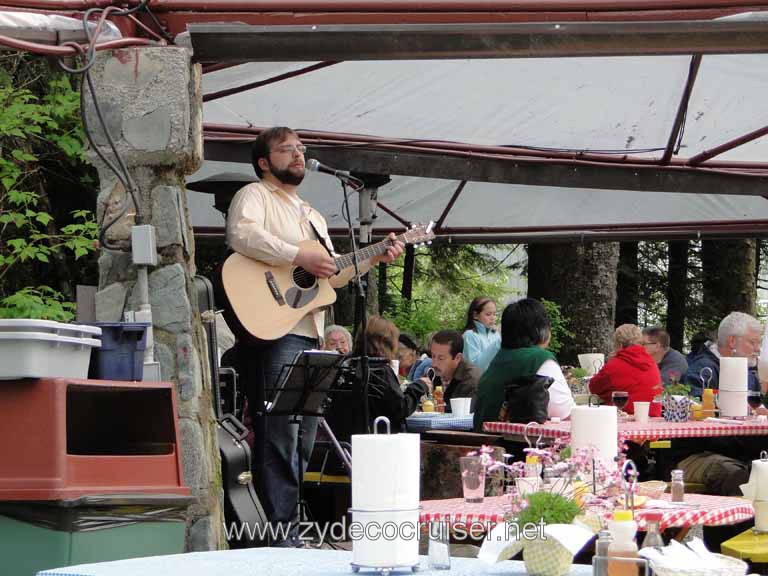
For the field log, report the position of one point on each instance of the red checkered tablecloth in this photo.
(457, 511)
(656, 429)
(698, 509)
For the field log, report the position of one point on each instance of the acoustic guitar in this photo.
(270, 300)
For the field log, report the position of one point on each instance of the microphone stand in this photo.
(361, 304)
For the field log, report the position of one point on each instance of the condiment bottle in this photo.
(438, 398)
(707, 403)
(427, 405)
(623, 529)
(653, 537)
(677, 487)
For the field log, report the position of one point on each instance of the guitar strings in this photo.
(304, 275)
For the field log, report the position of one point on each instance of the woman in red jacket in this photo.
(630, 369)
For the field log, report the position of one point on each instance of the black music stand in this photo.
(302, 389)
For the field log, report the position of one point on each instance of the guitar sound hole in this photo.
(303, 279)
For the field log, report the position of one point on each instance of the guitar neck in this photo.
(377, 249)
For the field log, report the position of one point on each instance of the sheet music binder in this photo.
(305, 383)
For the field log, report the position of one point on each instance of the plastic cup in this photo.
(641, 412)
(472, 478)
(460, 406)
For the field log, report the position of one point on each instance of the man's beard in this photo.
(285, 175)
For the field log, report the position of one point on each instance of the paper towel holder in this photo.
(525, 434)
(383, 419)
(705, 380)
(629, 476)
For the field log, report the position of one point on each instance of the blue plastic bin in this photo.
(121, 356)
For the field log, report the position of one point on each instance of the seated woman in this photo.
(413, 361)
(629, 369)
(525, 335)
(480, 328)
(385, 398)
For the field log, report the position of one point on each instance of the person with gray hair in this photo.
(722, 464)
(337, 338)
(739, 335)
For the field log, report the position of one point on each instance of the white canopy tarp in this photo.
(616, 105)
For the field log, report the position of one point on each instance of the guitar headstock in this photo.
(420, 234)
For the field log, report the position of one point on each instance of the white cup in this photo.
(527, 485)
(395, 364)
(460, 406)
(641, 412)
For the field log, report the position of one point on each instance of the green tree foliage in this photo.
(559, 323)
(40, 127)
(446, 279)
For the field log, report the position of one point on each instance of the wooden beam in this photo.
(248, 43)
(524, 171)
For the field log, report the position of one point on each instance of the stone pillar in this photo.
(150, 99)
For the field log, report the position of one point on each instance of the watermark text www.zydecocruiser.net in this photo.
(343, 530)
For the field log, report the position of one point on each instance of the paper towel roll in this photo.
(761, 515)
(592, 362)
(596, 426)
(733, 374)
(757, 487)
(385, 474)
(387, 539)
(732, 404)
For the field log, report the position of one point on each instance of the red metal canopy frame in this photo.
(175, 16)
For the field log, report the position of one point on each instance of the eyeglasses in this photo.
(755, 342)
(290, 149)
(649, 343)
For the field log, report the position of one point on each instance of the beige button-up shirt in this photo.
(266, 224)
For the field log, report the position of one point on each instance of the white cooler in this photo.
(45, 349)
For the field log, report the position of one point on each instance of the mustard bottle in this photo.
(707, 403)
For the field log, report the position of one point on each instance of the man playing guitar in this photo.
(267, 221)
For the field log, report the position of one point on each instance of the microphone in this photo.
(315, 166)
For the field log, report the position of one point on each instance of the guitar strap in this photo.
(321, 239)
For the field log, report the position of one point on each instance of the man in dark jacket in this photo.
(672, 364)
(721, 464)
(457, 375)
(739, 335)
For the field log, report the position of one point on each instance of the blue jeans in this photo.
(275, 459)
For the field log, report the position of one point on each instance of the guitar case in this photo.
(244, 515)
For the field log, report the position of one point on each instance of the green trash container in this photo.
(37, 536)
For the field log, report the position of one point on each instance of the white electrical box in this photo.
(144, 245)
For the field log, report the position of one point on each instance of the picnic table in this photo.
(423, 421)
(655, 429)
(698, 509)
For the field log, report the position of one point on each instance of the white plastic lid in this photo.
(29, 325)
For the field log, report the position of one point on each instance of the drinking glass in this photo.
(472, 478)
(619, 399)
(755, 400)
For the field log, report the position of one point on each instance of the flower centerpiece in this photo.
(551, 517)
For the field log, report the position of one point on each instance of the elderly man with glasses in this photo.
(739, 335)
(266, 221)
(672, 364)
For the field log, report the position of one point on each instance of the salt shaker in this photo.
(677, 488)
(599, 565)
(439, 546)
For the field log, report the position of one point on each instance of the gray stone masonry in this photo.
(150, 98)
